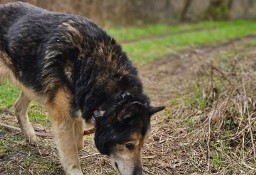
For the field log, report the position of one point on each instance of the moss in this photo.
(217, 10)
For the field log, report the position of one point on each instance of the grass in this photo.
(148, 50)
(16, 156)
(8, 95)
(126, 34)
(230, 113)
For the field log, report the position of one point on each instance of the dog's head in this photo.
(121, 133)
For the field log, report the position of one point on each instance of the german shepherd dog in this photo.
(81, 76)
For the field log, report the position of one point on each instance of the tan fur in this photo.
(29, 92)
(23, 101)
(68, 70)
(4, 60)
(79, 133)
(64, 132)
(72, 29)
(68, 131)
(77, 37)
(21, 105)
(21, 112)
(128, 159)
(3, 72)
(6, 73)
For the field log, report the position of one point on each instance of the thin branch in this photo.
(41, 134)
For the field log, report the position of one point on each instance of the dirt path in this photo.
(168, 77)
(171, 149)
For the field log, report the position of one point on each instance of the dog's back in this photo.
(44, 50)
(27, 33)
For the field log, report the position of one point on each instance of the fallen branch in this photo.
(150, 157)
(40, 134)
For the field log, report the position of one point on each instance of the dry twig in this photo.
(41, 134)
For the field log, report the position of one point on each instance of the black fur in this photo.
(43, 45)
(120, 121)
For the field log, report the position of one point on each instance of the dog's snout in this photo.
(138, 171)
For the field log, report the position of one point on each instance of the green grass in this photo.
(147, 50)
(124, 34)
(8, 96)
(196, 99)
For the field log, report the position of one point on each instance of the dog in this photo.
(82, 77)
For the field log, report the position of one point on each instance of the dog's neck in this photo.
(96, 86)
(103, 74)
(99, 112)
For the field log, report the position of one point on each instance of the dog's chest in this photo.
(86, 124)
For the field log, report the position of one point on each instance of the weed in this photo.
(167, 111)
(196, 99)
(38, 114)
(217, 161)
(26, 162)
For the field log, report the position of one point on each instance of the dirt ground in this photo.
(179, 143)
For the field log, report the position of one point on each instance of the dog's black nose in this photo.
(138, 171)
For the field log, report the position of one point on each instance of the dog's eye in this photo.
(129, 146)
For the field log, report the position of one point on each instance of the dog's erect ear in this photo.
(130, 109)
(152, 110)
(136, 109)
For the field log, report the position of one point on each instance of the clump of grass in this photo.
(196, 99)
(227, 116)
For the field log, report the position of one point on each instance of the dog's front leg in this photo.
(63, 129)
(79, 133)
(21, 112)
(66, 145)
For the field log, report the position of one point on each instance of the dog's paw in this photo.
(75, 171)
(33, 140)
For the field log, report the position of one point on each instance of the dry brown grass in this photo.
(210, 123)
(208, 127)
